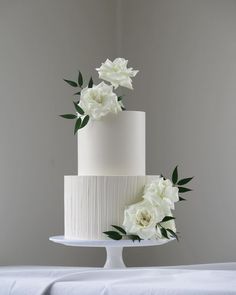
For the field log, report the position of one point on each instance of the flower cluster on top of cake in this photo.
(152, 217)
(97, 101)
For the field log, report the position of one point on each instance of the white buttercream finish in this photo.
(114, 145)
(94, 203)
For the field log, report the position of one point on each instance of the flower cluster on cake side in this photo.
(152, 217)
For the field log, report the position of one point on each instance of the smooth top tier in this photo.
(114, 145)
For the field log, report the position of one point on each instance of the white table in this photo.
(185, 280)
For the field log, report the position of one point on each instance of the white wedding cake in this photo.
(111, 175)
(111, 190)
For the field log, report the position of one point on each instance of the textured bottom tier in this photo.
(93, 203)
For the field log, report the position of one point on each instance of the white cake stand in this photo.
(114, 249)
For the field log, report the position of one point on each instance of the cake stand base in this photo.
(114, 249)
(114, 258)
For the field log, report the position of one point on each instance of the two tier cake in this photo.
(111, 174)
(111, 197)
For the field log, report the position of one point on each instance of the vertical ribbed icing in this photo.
(94, 203)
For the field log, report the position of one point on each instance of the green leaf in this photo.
(80, 79)
(120, 229)
(78, 109)
(114, 235)
(90, 83)
(181, 199)
(184, 180)
(69, 116)
(172, 233)
(77, 125)
(167, 218)
(134, 238)
(77, 93)
(184, 189)
(85, 121)
(175, 175)
(119, 99)
(164, 233)
(71, 83)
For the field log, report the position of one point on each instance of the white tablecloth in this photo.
(132, 281)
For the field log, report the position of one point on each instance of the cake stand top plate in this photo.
(107, 243)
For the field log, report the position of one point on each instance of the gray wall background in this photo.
(186, 53)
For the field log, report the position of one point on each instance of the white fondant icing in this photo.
(114, 145)
(94, 203)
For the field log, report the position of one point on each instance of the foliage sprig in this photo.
(82, 119)
(179, 183)
(120, 234)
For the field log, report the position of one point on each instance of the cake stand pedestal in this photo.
(114, 249)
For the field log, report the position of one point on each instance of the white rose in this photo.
(99, 101)
(141, 219)
(117, 73)
(161, 192)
